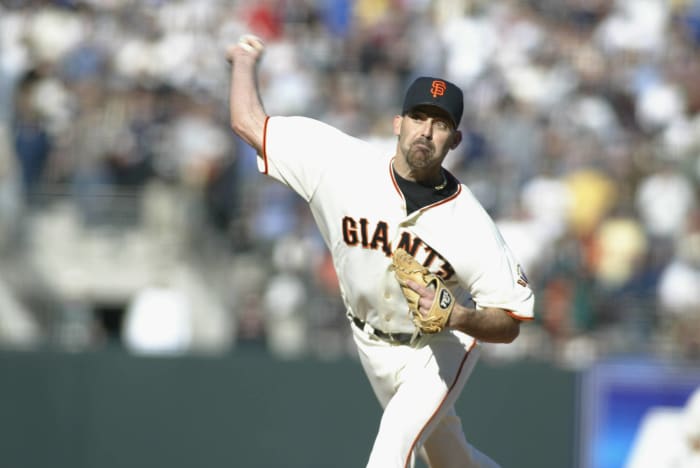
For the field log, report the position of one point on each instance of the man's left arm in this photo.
(490, 324)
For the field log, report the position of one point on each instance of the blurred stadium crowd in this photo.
(130, 213)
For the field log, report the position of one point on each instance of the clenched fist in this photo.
(248, 46)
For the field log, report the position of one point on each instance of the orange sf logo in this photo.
(438, 88)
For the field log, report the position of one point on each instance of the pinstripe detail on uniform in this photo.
(264, 146)
(454, 382)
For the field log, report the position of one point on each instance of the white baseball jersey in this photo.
(361, 214)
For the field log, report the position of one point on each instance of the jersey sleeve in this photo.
(298, 150)
(503, 283)
(487, 268)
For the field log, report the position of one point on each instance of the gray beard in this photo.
(419, 158)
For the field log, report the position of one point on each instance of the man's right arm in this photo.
(246, 109)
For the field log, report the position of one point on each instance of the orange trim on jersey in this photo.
(393, 179)
(264, 145)
(425, 208)
(452, 386)
(519, 317)
(446, 200)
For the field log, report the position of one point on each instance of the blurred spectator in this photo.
(32, 142)
(664, 200)
(679, 294)
(593, 194)
(174, 313)
(158, 321)
(516, 143)
(619, 248)
(18, 327)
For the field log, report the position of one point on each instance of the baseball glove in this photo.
(406, 267)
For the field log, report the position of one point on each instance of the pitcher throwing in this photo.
(417, 335)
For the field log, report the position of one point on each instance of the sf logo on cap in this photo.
(438, 88)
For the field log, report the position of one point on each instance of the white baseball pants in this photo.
(417, 386)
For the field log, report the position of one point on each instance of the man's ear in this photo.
(397, 124)
(457, 139)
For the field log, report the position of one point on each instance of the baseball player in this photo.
(410, 245)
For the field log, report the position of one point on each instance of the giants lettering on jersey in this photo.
(361, 233)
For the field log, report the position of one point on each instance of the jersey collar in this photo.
(427, 207)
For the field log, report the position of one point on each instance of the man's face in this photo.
(425, 136)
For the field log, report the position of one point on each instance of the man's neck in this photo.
(433, 177)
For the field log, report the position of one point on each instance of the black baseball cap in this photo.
(429, 91)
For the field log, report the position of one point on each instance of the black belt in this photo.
(394, 338)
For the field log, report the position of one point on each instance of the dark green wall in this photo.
(112, 410)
